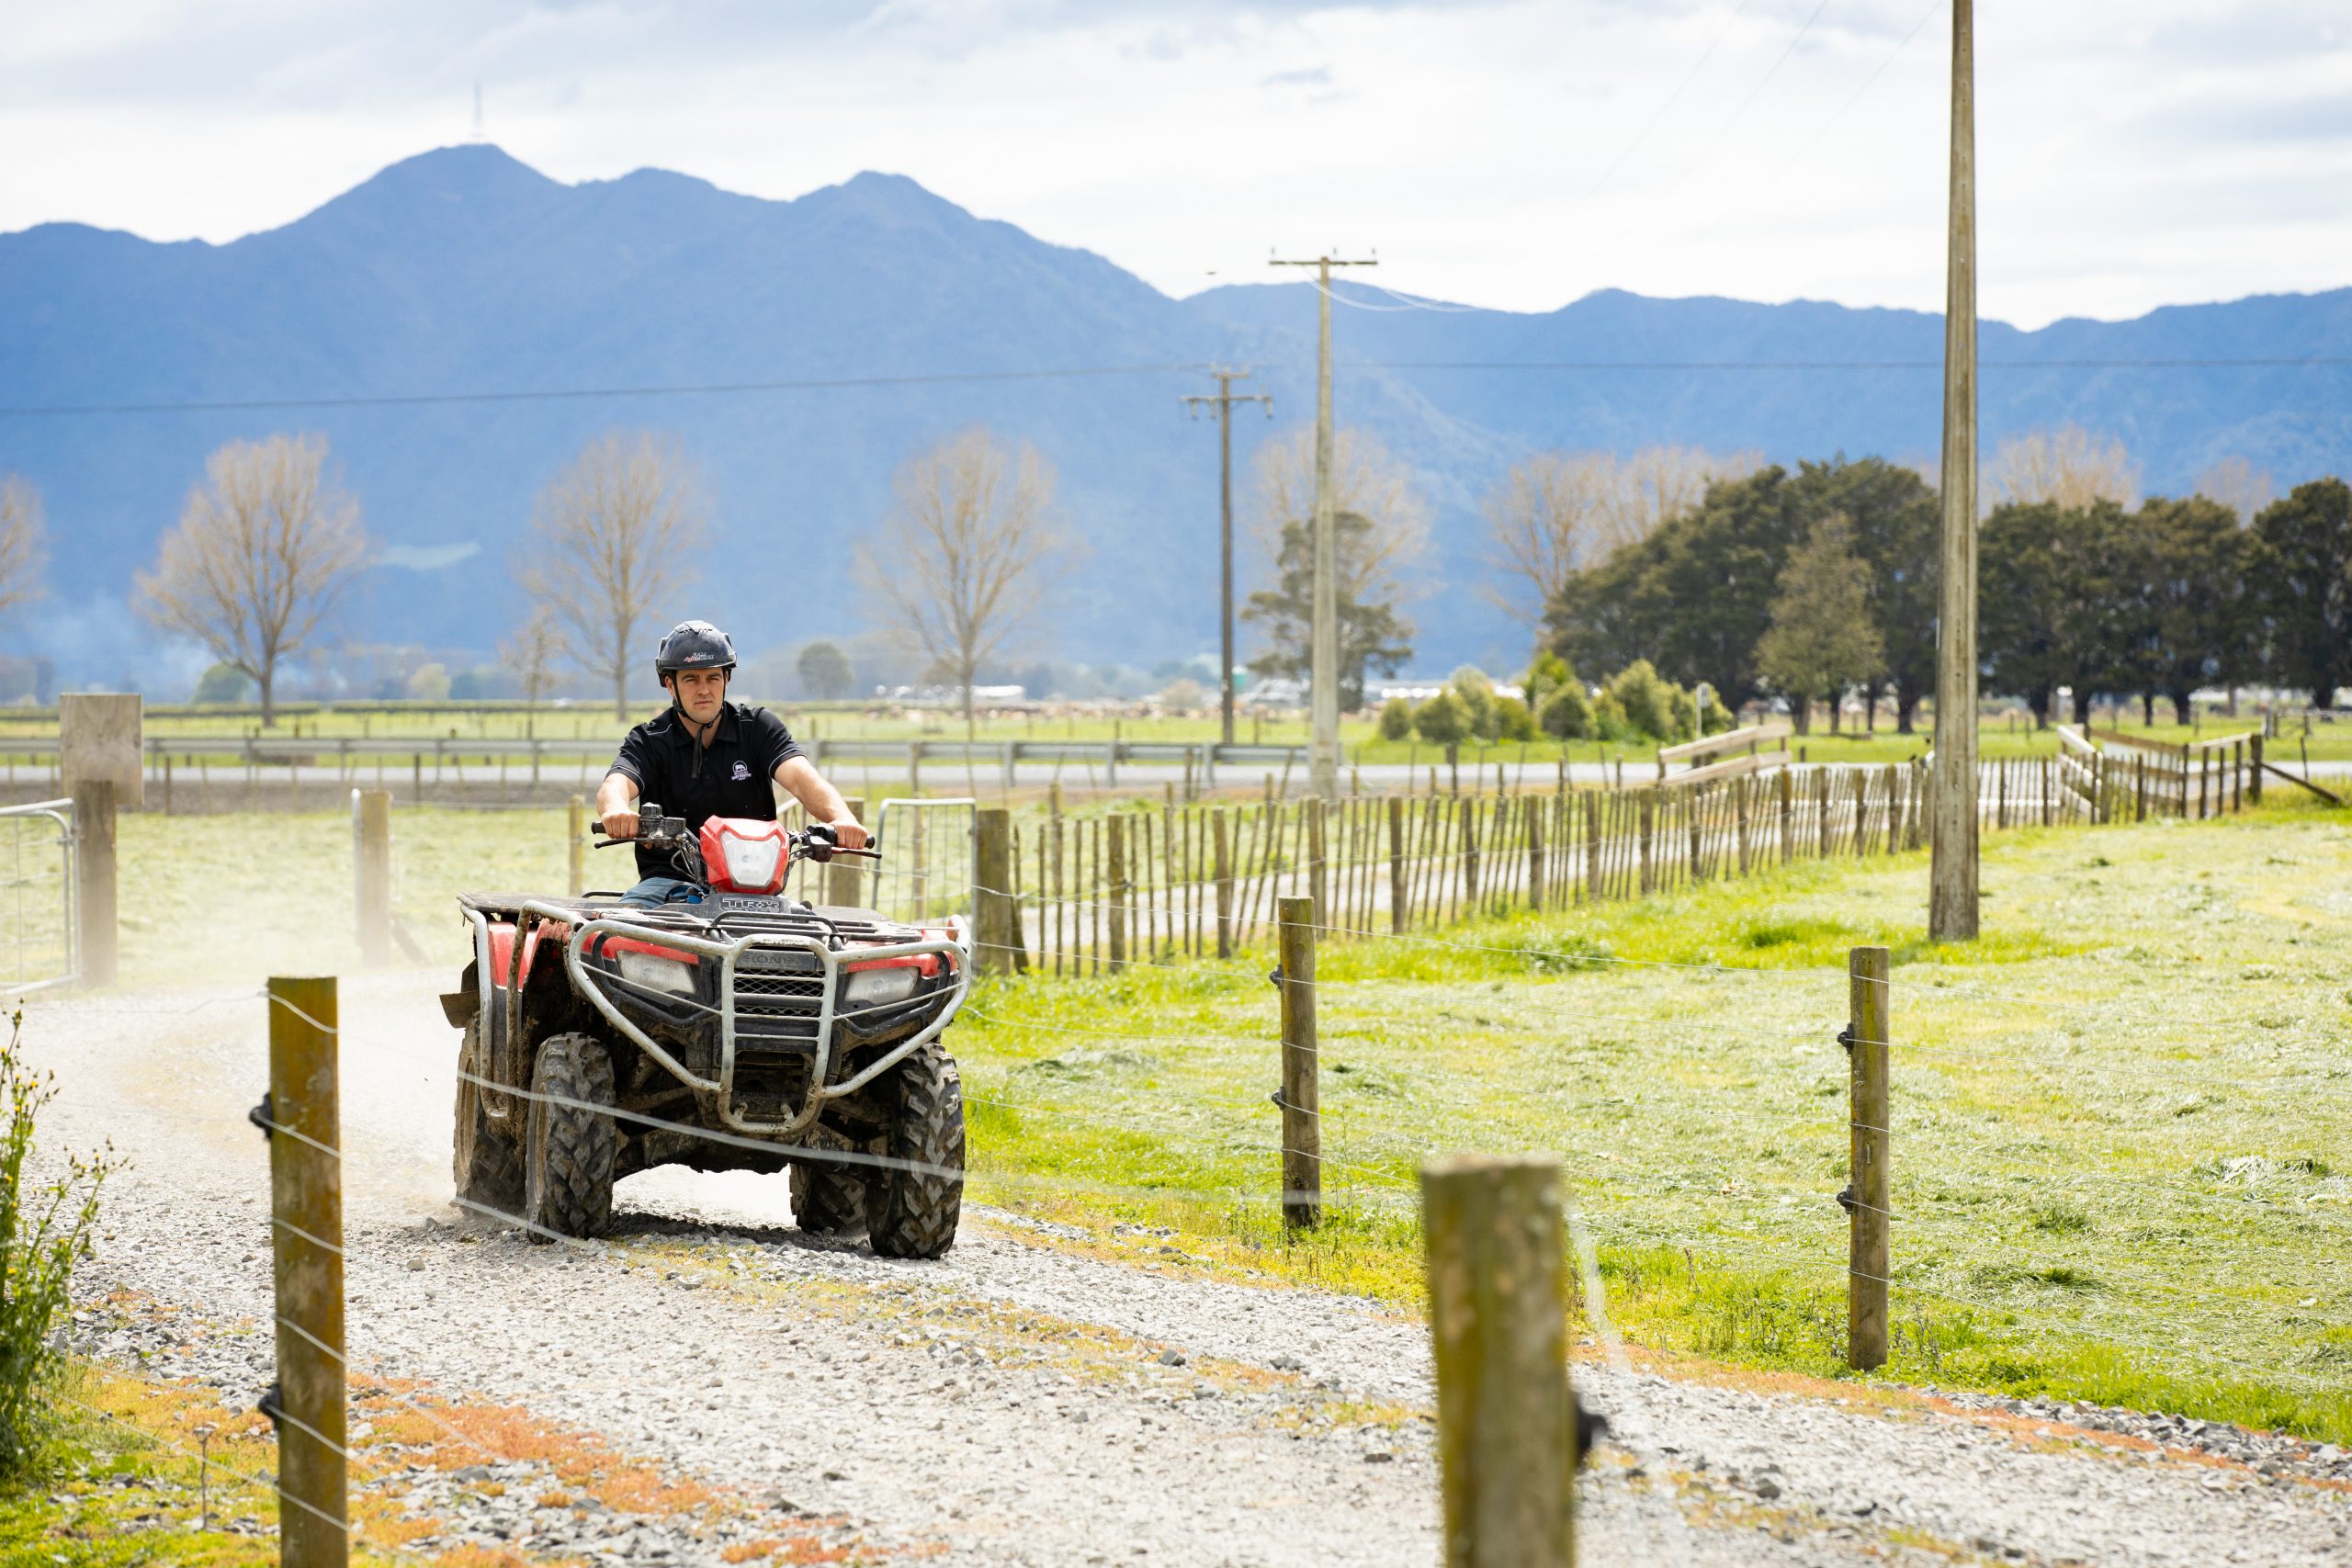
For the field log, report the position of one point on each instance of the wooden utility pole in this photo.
(1499, 1310)
(1951, 888)
(305, 1202)
(1323, 660)
(1223, 400)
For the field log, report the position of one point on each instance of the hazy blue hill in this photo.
(464, 271)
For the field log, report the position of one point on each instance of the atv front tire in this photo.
(484, 1160)
(570, 1143)
(913, 1204)
(827, 1198)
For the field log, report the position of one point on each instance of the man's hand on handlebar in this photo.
(620, 824)
(848, 832)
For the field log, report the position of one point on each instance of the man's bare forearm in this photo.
(616, 805)
(820, 799)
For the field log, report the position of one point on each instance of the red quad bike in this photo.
(746, 1031)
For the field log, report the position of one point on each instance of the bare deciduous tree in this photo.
(2068, 466)
(1551, 516)
(1367, 480)
(22, 541)
(533, 653)
(265, 550)
(967, 553)
(1659, 482)
(1558, 512)
(2239, 486)
(612, 536)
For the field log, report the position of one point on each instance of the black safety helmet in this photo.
(694, 645)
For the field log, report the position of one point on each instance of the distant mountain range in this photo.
(462, 271)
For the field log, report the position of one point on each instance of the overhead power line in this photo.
(2280, 362)
(717, 388)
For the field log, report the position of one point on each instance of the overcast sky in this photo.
(2132, 152)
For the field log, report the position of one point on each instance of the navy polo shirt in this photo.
(730, 777)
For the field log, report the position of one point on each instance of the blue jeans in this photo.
(656, 891)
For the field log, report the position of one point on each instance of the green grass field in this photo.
(2123, 1144)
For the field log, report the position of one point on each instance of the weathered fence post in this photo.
(95, 876)
(1319, 875)
(1224, 886)
(1506, 1417)
(1649, 833)
(992, 898)
(1399, 899)
(1869, 1192)
(1301, 1092)
(575, 817)
(1118, 890)
(842, 877)
(2253, 774)
(1532, 808)
(306, 1204)
(372, 857)
(1592, 868)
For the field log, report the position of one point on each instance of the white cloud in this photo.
(2130, 154)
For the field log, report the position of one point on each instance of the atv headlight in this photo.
(655, 973)
(881, 986)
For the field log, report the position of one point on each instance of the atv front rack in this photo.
(589, 983)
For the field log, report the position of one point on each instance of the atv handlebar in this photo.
(655, 832)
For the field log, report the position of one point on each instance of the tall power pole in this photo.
(1223, 400)
(1951, 889)
(1323, 659)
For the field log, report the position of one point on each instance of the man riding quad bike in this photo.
(703, 1018)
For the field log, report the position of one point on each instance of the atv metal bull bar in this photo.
(586, 982)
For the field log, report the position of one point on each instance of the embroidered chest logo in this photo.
(743, 773)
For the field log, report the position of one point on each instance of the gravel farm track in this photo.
(1033, 1398)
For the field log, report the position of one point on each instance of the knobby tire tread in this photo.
(569, 1163)
(826, 1200)
(485, 1163)
(913, 1213)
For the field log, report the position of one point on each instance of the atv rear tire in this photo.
(911, 1209)
(484, 1160)
(827, 1198)
(569, 1150)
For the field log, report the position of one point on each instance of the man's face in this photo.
(699, 693)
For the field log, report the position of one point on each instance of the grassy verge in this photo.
(2116, 1116)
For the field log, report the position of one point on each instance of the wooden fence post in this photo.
(372, 847)
(992, 900)
(1224, 884)
(1531, 808)
(1301, 1096)
(1399, 900)
(94, 868)
(1593, 890)
(1870, 1190)
(1649, 833)
(306, 1202)
(844, 877)
(1787, 792)
(1506, 1417)
(1117, 891)
(2254, 775)
(1319, 875)
(575, 817)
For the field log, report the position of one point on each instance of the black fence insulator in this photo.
(1273, 977)
(264, 1116)
(1591, 1427)
(273, 1404)
(1846, 1038)
(1846, 1197)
